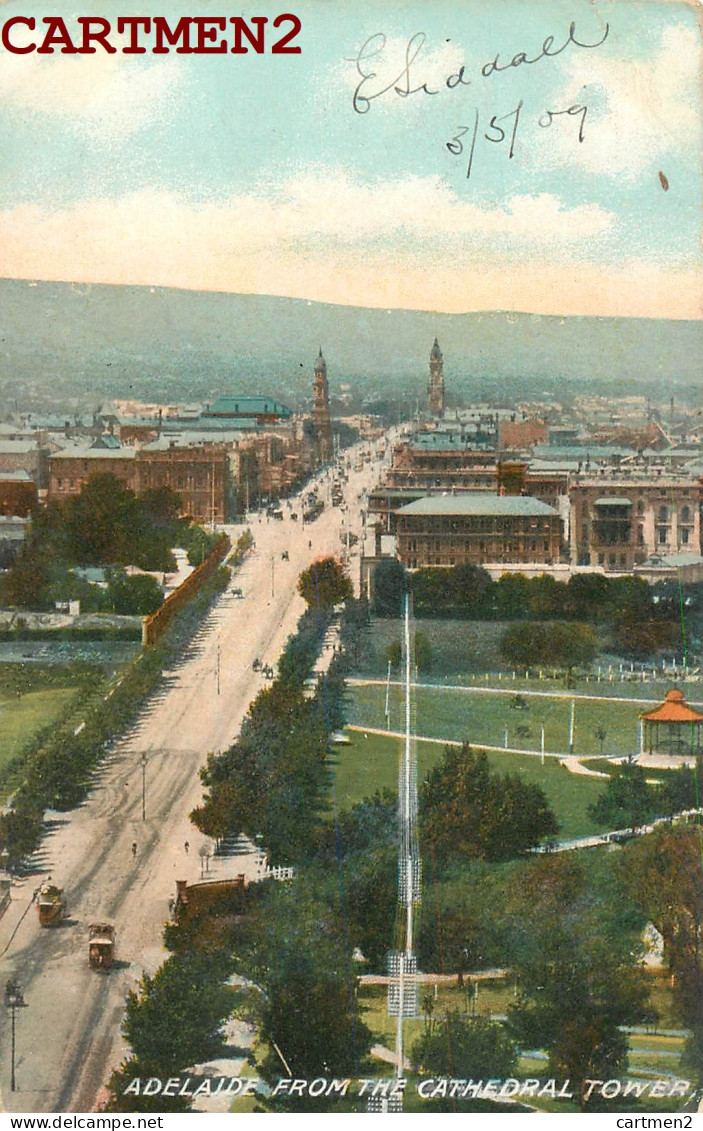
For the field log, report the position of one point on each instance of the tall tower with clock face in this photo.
(321, 410)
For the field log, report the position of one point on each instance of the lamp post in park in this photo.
(13, 1001)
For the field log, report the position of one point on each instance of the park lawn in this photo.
(368, 764)
(482, 718)
(22, 717)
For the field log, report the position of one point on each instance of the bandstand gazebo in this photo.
(673, 727)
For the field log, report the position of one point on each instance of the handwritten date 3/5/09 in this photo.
(504, 128)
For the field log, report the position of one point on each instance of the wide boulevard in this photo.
(68, 1037)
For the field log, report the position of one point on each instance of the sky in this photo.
(254, 173)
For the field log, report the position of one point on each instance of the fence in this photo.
(604, 673)
(156, 624)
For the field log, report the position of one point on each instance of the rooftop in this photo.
(246, 406)
(213, 424)
(10, 447)
(445, 441)
(672, 561)
(674, 709)
(477, 503)
(19, 476)
(82, 452)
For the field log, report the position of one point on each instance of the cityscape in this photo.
(490, 610)
(351, 563)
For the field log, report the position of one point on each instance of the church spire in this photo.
(321, 410)
(435, 388)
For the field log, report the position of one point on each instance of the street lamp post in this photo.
(144, 762)
(14, 1001)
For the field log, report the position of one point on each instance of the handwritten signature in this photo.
(370, 87)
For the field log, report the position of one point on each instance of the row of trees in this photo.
(638, 622)
(273, 781)
(56, 767)
(290, 942)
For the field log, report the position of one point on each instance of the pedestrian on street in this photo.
(134, 848)
(186, 846)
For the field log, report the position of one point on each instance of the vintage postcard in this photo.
(351, 560)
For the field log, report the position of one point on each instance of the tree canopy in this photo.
(390, 582)
(465, 1047)
(325, 583)
(556, 644)
(579, 979)
(468, 811)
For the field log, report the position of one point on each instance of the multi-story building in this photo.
(198, 474)
(476, 528)
(620, 520)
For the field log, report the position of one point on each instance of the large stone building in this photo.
(475, 528)
(199, 475)
(620, 520)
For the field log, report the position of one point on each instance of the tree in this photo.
(679, 791)
(587, 596)
(138, 595)
(630, 598)
(365, 840)
(175, 1018)
(627, 800)
(547, 597)
(662, 873)
(394, 653)
(325, 583)
(528, 644)
(163, 506)
(423, 652)
(469, 587)
(390, 582)
(639, 638)
(103, 522)
(467, 811)
(578, 972)
(512, 596)
(468, 1048)
(296, 953)
(27, 584)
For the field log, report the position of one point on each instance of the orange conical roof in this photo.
(674, 709)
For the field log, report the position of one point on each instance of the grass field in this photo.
(482, 717)
(368, 764)
(23, 716)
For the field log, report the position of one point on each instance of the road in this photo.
(68, 1039)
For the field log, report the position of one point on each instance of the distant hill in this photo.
(62, 341)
